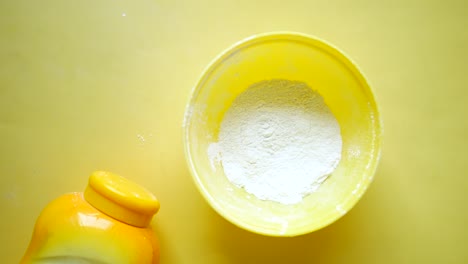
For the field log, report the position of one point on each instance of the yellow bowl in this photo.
(290, 56)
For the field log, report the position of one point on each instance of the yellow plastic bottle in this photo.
(107, 224)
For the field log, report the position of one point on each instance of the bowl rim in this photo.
(311, 41)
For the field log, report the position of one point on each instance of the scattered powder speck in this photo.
(141, 137)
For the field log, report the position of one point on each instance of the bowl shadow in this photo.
(332, 244)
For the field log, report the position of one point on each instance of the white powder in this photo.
(279, 141)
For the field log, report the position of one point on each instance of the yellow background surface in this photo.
(87, 85)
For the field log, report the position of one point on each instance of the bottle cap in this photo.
(121, 199)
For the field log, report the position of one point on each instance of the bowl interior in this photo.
(324, 69)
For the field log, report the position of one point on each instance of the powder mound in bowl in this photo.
(278, 140)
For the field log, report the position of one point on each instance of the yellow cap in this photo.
(121, 199)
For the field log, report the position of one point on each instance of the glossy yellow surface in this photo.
(296, 57)
(121, 199)
(85, 88)
(70, 230)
